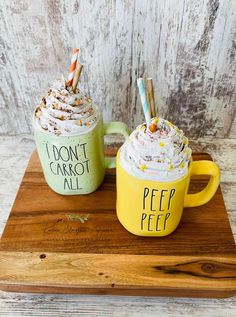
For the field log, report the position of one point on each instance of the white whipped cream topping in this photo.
(159, 152)
(63, 112)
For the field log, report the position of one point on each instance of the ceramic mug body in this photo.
(151, 208)
(76, 164)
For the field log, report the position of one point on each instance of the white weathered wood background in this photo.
(187, 46)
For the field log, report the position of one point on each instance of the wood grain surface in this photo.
(46, 246)
(69, 273)
(187, 47)
(15, 151)
(55, 222)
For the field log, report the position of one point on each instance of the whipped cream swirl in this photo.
(63, 112)
(158, 151)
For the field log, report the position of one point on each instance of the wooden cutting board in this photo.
(75, 244)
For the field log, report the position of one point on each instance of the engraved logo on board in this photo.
(69, 226)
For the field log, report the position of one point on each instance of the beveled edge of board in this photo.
(115, 274)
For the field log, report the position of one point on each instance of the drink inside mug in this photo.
(153, 174)
(69, 134)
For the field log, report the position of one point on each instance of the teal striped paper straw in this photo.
(144, 101)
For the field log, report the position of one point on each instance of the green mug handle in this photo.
(114, 127)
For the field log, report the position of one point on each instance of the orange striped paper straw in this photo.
(72, 66)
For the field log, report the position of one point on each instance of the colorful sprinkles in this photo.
(158, 148)
(63, 111)
(143, 167)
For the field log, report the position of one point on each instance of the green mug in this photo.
(76, 164)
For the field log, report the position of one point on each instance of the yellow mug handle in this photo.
(203, 168)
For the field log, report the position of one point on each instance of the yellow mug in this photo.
(151, 208)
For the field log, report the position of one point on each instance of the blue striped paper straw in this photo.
(144, 101)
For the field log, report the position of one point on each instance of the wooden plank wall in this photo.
(187, 46)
